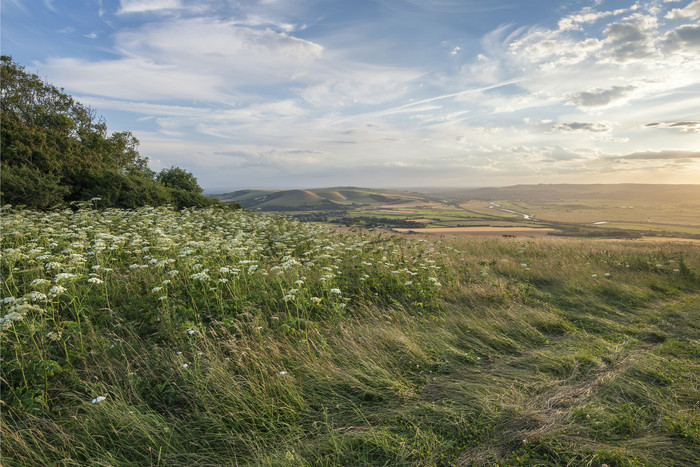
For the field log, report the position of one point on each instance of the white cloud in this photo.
(349, 84)
(586, 15)
(684, 40)
(235, 52)
(144, 6)
(690, 11)
(132, 79)
(632, 38)
(600, 97)
(664, 154)
(593, 127)
(682, 126)
(252, 91)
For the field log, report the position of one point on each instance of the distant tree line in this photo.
(55, 151)
(340, 217)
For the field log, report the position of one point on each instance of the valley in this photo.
(606, 211)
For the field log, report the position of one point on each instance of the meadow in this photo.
(220, 337)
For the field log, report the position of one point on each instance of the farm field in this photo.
(222, 337)
(574, 210)
(489, 231)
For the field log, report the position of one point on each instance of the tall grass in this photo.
(157, 337)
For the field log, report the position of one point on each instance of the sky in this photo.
(382, 93)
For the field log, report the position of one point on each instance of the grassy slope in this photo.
(340, 195)
(525, 357)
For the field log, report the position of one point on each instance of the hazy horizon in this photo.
(440, 93)
(224, 189)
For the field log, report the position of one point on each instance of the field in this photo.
(614, 211)
(220, 337)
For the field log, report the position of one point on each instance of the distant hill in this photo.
(340, 198)
(352, 198)
(630, 192)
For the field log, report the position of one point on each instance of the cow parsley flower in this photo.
(37, 297)
(38, 282)
(56, 290)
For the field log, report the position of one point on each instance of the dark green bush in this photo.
(28, 186)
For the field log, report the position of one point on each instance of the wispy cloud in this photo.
(143, 6)
(593, 127)
(684, 127)
(600, 97)
(662, 155)
(308, 87)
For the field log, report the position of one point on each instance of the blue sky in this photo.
(385, 93)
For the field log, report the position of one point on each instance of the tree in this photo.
(55, 150)
(179, 179)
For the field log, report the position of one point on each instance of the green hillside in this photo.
(330, 195)
(320, 198)
(221, 337)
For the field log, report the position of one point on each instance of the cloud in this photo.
(690, 11)
(222, 85)
(684, 127)
(600, 97)
(592, 127)
(631, 39)
(230, 49)
(662, 155)
(685, 39)
(133, 79)
(586, 15)
(144, 6)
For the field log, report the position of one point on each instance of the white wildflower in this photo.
(37, 297)
(64, 276)
(38, 282)
(52, 265)
(56, 290)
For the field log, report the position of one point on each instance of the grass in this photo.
(435, 352)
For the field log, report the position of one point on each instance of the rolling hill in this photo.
(340, 198)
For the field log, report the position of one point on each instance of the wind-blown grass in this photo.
(157, 337)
